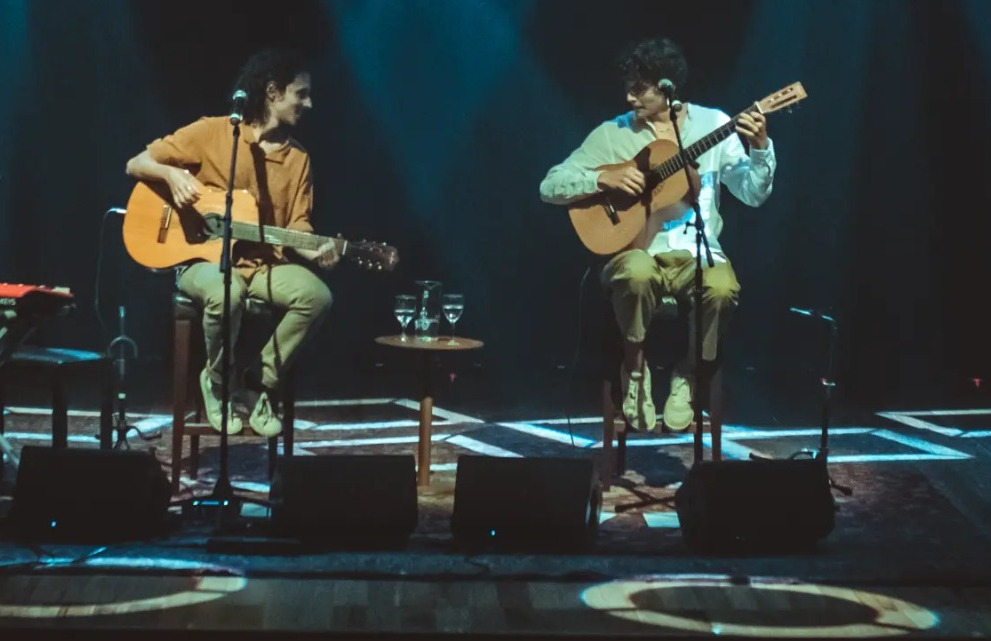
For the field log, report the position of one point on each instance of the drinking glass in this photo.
(404, 309)
(453, 306)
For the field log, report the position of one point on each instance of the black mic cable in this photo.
(577, 355)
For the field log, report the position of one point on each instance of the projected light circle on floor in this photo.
(889, 616)
(203, 590)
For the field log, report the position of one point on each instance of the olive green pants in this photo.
(636, 282)
(290, 287)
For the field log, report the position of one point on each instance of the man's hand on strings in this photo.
(626, 179)
(753, 127)
(326, 256)
(185, 188)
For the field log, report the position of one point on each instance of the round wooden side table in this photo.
(437, 345)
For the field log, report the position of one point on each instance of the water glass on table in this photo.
(453, 306)
(404, 308)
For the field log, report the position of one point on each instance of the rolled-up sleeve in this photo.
(302, 203)
(578, 175)
(749, 177)
(186, 147)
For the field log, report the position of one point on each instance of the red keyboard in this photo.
(34, 299)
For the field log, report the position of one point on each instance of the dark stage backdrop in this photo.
(435, 121)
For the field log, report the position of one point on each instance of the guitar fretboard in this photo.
(674, 164)
(281, 236)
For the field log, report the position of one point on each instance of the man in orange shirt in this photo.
(275, 169)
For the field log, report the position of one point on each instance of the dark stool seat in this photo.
(57, 365)
(615, 427)
(187, 321)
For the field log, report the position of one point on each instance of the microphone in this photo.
(237, 106)
(813, 313)
(117, 210)
(667, 88)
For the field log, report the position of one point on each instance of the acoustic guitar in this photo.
(158, 234)
(610, 221)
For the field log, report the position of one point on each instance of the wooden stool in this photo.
(615, 426)
(187, 323)
(57, 365)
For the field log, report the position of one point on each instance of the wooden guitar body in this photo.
(158, 235)
(166, 236)
(612, 221)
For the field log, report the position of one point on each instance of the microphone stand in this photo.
(828, 385)
(222, 500)
(701, 384)
(223, 492)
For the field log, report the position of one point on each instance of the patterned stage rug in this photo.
(897, 525)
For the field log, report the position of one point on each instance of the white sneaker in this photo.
(678, 410)
(263, 419)
(213, 408)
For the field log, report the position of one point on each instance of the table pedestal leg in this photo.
(423, 448)
(426, 417)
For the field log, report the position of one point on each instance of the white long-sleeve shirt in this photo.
(748, 177)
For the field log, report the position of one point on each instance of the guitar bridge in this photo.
(163, 226)
(611, 212)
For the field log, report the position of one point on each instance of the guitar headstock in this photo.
(371, 255)
(783, 98)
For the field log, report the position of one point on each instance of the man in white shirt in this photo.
(662, 259)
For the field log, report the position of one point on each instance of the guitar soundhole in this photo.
(213, 226)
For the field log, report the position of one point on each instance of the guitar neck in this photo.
(281, 236)
(674, 164)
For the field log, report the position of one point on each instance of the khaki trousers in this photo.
(290, 287)
(635, 282)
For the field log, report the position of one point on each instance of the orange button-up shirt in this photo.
(280, 181)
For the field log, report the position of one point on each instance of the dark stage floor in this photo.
(915, 531)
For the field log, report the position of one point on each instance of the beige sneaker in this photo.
(263, 419)
(678, 411)
(631, 386)
(638, 405)
(213, 407)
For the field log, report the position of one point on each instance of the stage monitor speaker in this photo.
(758, 505)
(545, 503)
(89, 495)
(345, 498)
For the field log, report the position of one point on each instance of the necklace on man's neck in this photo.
(666, 125)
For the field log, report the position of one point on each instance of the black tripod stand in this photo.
(117, 349)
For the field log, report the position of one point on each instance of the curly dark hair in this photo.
(645, 62)
(270, 65)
